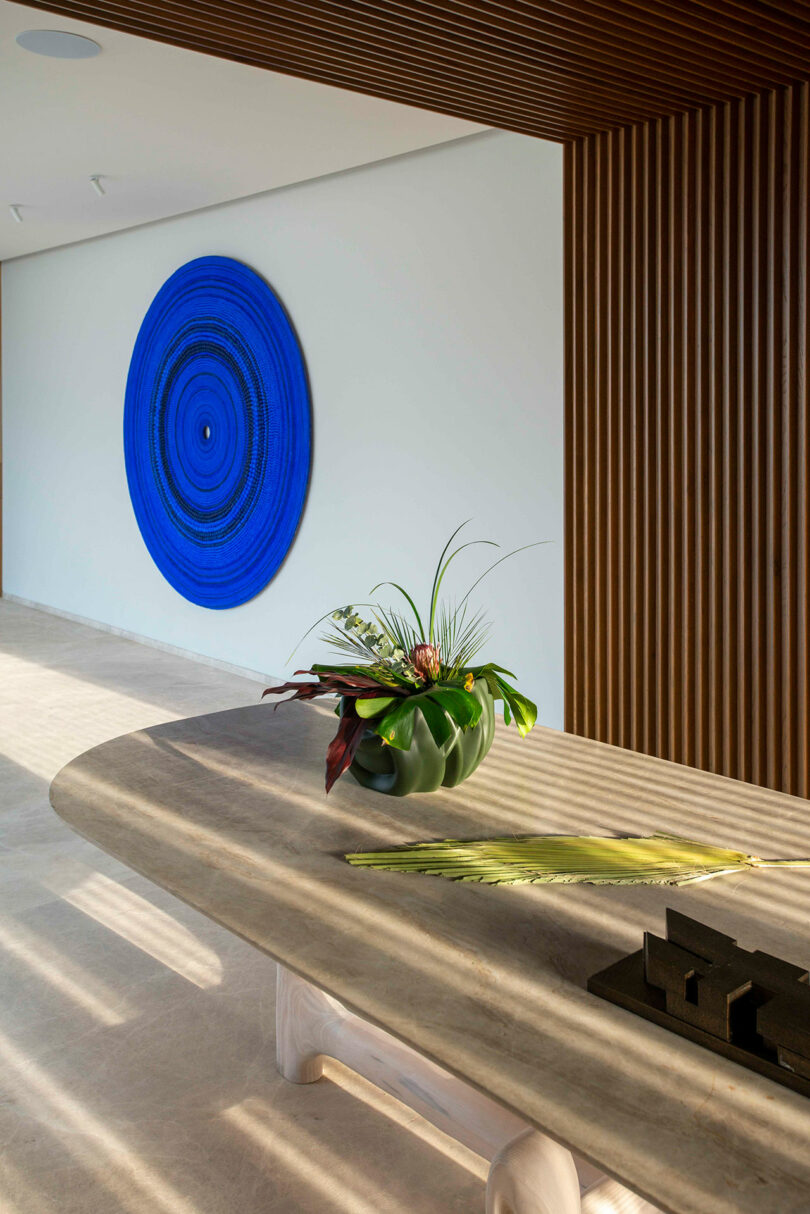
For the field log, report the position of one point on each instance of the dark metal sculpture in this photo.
(749, 1006)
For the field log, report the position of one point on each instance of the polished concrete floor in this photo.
(136, 1037)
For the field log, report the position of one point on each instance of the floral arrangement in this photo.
(408, 664)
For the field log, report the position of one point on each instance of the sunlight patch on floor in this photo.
(16, 1194)
(53, 716)
(400, 1115)
(64, 975)
(327, 1174)
(146, 927)
(127, 1176)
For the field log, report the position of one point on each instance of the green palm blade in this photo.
(657, 859)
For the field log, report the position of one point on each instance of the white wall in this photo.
(427, 294)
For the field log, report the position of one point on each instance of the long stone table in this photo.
(228, 812)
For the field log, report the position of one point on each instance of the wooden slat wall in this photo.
(687, 438)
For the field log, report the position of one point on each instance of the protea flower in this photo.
(425, 661)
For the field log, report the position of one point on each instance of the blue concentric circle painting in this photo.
(217, 432)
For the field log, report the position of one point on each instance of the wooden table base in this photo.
(529, 1172)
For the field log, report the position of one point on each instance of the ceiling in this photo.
(554, 68)
(168, 130)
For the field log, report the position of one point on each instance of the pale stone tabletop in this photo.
(228, 812)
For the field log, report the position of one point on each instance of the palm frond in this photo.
(469, 637)
(405, 594)
(447, 630)
(437, 574)
(439, 578)
(345, 642)
(657, 859)
(399, 631)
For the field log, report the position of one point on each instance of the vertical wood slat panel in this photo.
(773, 423)
(802, 406)
(759, 445)
(688, 456)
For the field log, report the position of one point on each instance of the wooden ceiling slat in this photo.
(560, 86)
(534, 40)
(510, 90)
(554, 68)
(515, 112)
(773, 20)
(478, 110)
(458, 47)
(542, 38)
(535, 49)
(658, 44)
(720, 31)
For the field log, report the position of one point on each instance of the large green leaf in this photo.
(437, 720)
(436, 705)
(375, 706)
(462, 706)
(514, 703)
(491, 679)
(479, 670)
(396, 727)
(523, 710)
(650, 860)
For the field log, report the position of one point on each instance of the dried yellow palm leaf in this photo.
(657, 859)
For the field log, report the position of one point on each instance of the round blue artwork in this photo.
(217, 432)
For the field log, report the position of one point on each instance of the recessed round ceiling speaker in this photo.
(58, 44)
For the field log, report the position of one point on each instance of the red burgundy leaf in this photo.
(303, 691)
(351, 685)
(343, 746)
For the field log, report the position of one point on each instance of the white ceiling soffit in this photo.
(167, 131)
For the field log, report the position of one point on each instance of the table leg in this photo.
(530, 1173)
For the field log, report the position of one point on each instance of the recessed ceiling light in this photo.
(58, 44)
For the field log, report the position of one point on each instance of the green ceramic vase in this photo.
(424, 767)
